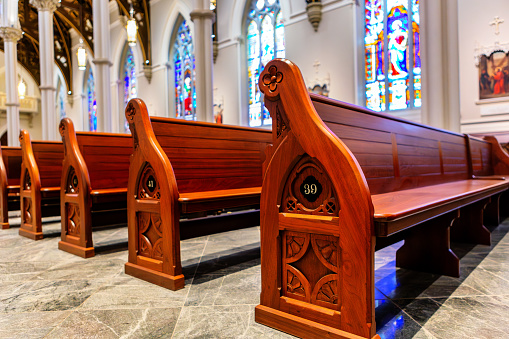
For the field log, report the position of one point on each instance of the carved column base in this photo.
(158, 278)
(84, 252)
(427, 247)
(30, 234)
(469, 227)
(5, 225)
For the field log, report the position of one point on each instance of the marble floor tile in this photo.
(45, 292)
(125, 323)
(58, 295)
(135, 296)
(213, 322)
(471, 317)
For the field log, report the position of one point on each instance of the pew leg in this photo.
(31, 223)
(492, 211)
(469, 227)
(76, 234)
(427, 247)
(4, 215)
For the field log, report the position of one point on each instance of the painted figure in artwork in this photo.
(498, 77)
(397, 49)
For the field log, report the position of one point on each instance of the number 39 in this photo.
(309, 189)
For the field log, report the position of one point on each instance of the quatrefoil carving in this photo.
(272, 78)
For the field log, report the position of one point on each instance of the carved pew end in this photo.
(158, 278)
(84, 252)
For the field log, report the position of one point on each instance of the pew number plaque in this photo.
(151, 183)
(311, 188)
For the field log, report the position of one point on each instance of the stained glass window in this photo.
(392, 54)
(183, 58)
(265, 40)
(130, 88)
(61, 99)
(91, 102)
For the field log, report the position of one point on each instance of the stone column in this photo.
(203, 18)
(101, 16)
(46, 8)
(11, 35)
(440, 78)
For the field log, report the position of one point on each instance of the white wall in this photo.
(474, 29)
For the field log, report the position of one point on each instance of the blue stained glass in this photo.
(265, 39)
(91, 102)
(61, 99)
(130, 87)
(185, 91)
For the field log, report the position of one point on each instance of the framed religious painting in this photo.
(494, 75)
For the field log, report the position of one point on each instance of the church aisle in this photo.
(47, 293)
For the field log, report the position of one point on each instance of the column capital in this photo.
(202, 14)
(45, 5)
(10, 34)
(102, 61)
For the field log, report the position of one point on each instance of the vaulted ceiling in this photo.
(77, 15)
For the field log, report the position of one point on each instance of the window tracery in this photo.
(265, 41)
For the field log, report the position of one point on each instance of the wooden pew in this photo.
(10, 172)
(93, 185)
(185, 169)
(340, 179)
(41, 169)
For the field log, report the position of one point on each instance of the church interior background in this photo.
(441, 63)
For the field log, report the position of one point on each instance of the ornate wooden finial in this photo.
(61, 128)
(130, 111)
(21, 135)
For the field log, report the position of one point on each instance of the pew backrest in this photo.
(11, 157)
(208, 157)
(395, 154)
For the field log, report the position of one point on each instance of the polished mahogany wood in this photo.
(41, 169)
(185, 168)
(337, 177)
(10, 172)
(93, 189)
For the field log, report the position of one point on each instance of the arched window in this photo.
(183, 58)
(265, 40)
(130, 87)
(392, 54)
(61, 92)
(91, 102)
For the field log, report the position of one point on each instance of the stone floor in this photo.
(47, 293)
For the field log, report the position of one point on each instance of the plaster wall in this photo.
(488, 115)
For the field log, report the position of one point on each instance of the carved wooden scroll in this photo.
(316, 218)
(75, 204)
(500, 159)
(154, 235)
(30, 191)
